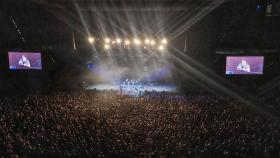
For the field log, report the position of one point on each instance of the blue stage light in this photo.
(258, 7)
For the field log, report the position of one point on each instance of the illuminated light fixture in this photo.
(147, 41)
(107, 40)
(137, 41)
(161, 48)
(152, 42)
(164, 41)
(118, 40)
(113, 42)
(106, 46)
(90, 39)
(127, 42)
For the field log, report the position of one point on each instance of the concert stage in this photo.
(147, 88)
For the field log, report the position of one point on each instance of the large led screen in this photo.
(251, 65)
(25, 60)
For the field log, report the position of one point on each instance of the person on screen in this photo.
(23, 61)
(244, 66)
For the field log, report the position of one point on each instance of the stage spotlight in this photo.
(164, 41)
(161, 48)
(90, 39)
(118, 40)
(137, 41)
(107, 40)
(127, 42)
(152, 42)
(259, 7)
(106, 46)
(147, 41)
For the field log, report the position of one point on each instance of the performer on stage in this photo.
(23, 61)
(244, 66)
(121, 89)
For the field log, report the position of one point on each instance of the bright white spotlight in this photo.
(137, 41)
(147, 41)
(118, 40)
(161, 48)
(152, 42)
(164, 41)
(90, 39)
(107, 40)
(106, 46)
(127, 42)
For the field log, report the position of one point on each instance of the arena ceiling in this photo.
(54, 19)
(134, 4)
(50, 21)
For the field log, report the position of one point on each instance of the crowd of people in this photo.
(104, 124)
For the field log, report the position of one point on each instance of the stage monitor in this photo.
(25, 60)
(244, 65)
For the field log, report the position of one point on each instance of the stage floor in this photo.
(148, 88)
